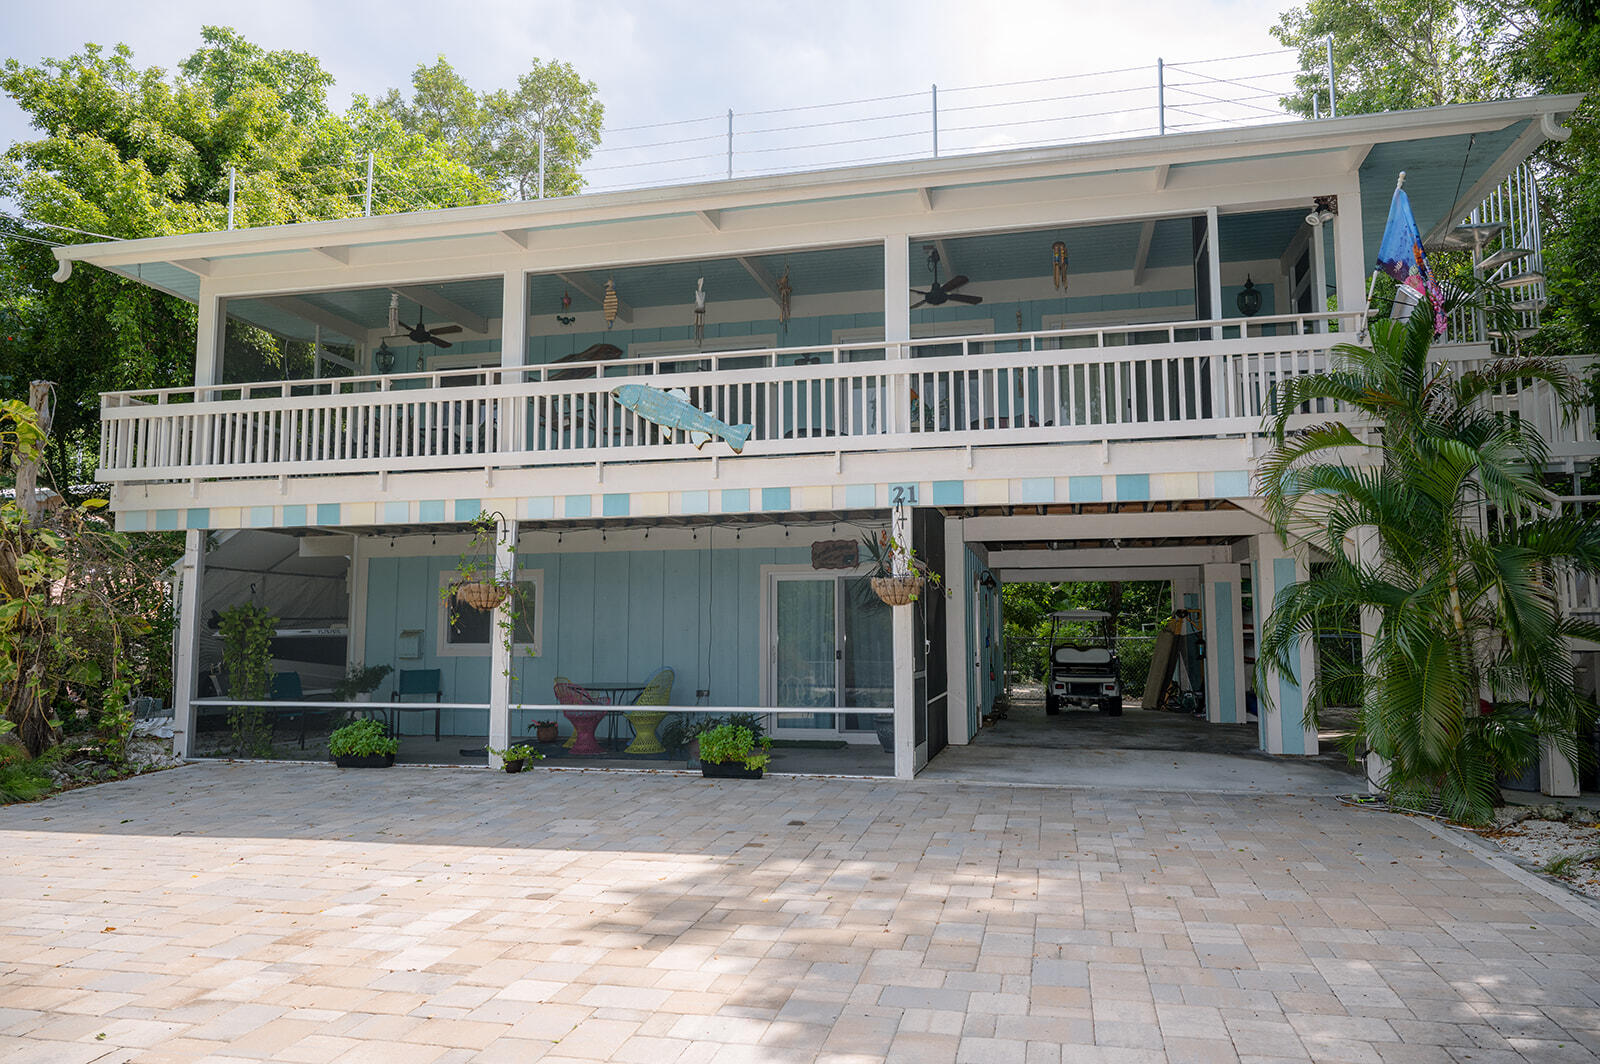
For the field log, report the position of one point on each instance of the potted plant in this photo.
(362, 744)
(546, 731)
(883, 724)
(730, 751)
(360, 680)
(896, 588)
(516, 759)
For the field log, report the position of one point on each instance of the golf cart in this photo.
(1084, 670)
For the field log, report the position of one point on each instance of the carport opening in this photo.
(1064, 640)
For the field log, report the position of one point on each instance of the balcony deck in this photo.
(1157, 382)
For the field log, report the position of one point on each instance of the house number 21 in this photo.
(902, 494)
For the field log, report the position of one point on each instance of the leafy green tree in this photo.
(498, 132)
(134, 152)
(1391, 55)
(1461, 600)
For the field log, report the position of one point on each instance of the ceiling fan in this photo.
(940, 294)
(418, 333)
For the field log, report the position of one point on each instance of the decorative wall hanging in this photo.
(564, 317)
(1019, 321)
(609, 306)
(785, 291)
(700, 312)
(835, 554)
(1058, 264)
(672, 410)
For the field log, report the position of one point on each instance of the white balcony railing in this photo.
(1129, 382)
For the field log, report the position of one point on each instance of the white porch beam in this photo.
(1158, 180)
(441, 304)
(590, 290)
(760, 276)
(924, 198)
(198, 267)
(711, 219)
(1141, 257)
(1107, 557)
(339, 254)
(1350, 267)
(1354, 156)
(521, 239)
(1091, 575)
(317, 316)
(1116, 526)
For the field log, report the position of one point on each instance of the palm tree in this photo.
(1460, 602)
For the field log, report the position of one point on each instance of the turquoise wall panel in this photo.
(1133, 487)
(1084, 489)
(1221, 657)
(430, 510)
(1233, 484)
(198, 517)
(328, 513)
(294, 516)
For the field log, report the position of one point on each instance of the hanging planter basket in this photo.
(481, 595)
(898, 590)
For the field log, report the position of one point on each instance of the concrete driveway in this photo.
(299, 913)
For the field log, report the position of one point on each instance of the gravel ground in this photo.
(1553, 835)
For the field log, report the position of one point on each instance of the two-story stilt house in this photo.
(1086, 404)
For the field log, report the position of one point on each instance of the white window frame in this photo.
(443, 648)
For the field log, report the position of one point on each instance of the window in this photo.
(465, 631)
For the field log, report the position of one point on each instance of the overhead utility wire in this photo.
(1231, 58)
(52, 225)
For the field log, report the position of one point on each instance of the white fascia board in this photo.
(1133, 154)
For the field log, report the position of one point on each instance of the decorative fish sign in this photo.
(672, 410)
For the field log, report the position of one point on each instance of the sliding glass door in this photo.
(832, 650)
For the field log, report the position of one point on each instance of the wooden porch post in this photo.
(957, 655)
(500, 694)
(905, 661)
(513, 354)
(186, 669)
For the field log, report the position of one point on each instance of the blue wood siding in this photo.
(616, 615)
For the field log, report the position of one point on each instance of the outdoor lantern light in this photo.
(383, 358)
(1248, 300)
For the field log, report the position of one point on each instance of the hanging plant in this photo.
(896, 589)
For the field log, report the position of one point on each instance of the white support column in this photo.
(1319, 276)
(1186, 592)
(957, 655)
(356, 649)
(1283, 726)
(505, 561)
(896, 289)
(1556, 777)
(1349, 256)
(905, 659)
(1223, 620)
(210, 329)
(1214, 258)
(513, 353)
(186, 668)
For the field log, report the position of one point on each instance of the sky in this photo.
(671, 61)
